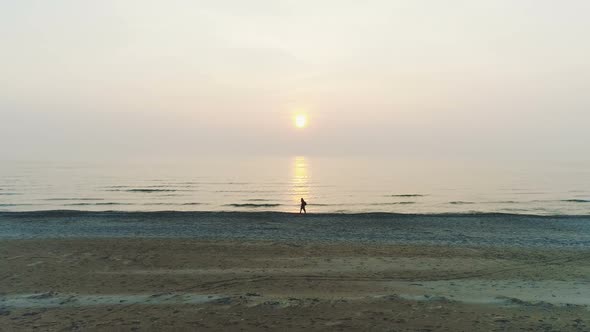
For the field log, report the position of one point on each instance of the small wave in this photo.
(97, 204)
(576, 200)
(146, 190)
(500, 202)
(10, 194)
(73, 199)
(192, 203)
(392, 203)
(514, 210)
(406, 195)
(250, 205)
(160, 186)
(167, 186)
(10, 204)
(460, 203)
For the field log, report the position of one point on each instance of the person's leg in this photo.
(304, 210)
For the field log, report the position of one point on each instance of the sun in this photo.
(300, 121)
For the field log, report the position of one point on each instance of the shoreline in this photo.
(464, 230)
(74, 212)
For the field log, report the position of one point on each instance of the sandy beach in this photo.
(181, 284)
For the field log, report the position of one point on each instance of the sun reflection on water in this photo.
(300, 181)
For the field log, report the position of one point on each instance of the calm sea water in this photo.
(343, 185)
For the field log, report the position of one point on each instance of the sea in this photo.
(342, 185)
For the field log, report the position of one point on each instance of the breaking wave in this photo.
(251, 205)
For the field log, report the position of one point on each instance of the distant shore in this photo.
(167, 284)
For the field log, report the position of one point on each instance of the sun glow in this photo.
(300, 121)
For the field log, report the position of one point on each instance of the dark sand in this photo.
(177, 284)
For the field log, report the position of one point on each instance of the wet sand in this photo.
(180, 284)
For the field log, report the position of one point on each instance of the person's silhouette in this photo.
(303, 204)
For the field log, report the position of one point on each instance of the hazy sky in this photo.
(416, 78)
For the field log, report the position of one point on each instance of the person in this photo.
(303, 204)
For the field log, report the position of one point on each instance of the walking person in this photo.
(303, 204)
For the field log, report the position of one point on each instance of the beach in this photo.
(83, 280)
(294, 166)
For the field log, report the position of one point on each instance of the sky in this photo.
(416, 78)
